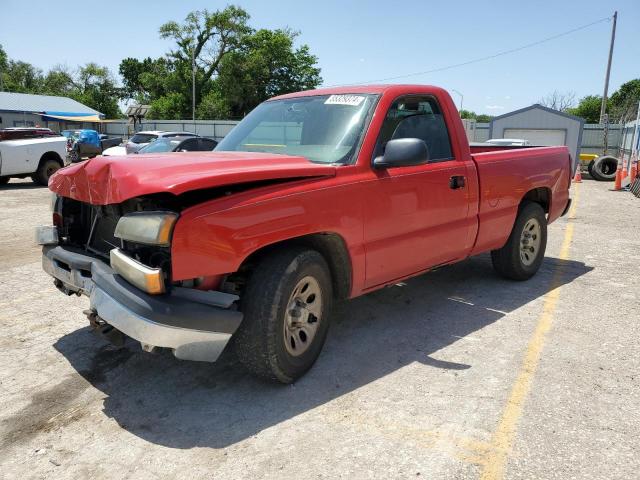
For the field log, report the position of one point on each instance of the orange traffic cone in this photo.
(624, 171)
(634, 171)
(618, 184)
(577, 178)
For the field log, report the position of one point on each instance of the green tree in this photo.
(267, 65)
(588, 108)
(206, 37)
(480, 118)
(623, 104)
(95, 87)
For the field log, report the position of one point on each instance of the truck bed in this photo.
(505, 174)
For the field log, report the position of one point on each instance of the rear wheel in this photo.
(286, 306)
(522, 255)
(44, 172)
(590, 168)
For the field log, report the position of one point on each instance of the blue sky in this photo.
(361, 41)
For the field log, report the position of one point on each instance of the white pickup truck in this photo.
(38, 158)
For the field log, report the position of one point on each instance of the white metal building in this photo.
(540, 125)
(57, 113)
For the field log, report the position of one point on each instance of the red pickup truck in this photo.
(314, 197)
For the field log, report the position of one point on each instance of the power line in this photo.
(482, 59)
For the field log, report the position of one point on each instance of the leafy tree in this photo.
(480, 118)
(623, 104)
(266, 66)
(96, 88)
(22, 77)
(588, 108)
(206, 37)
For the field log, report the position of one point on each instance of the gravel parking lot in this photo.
(455, 374)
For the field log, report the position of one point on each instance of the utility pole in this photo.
(603, 107)
(193, 85)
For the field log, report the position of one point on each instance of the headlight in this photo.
(151, 228)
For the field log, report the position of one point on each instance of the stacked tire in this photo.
(603, 168)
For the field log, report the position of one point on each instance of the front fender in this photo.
(216, 237)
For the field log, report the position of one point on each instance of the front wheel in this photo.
(522, 255)
(286, 305)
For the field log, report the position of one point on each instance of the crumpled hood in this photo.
(107, 180)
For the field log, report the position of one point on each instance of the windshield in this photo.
(160, 145)
(323, 128)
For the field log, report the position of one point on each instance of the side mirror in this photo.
(403, 152)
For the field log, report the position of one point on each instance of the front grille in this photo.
(91, 227)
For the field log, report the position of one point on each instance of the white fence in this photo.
(216, 129)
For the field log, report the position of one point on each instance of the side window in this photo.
(190, 145)
(416, 117)
(207, 145)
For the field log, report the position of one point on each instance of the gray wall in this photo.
(538, 118)
(15, 119)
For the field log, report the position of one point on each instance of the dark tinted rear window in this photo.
(143, 138)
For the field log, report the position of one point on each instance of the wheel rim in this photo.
(50, 171)
(530, 241)
(303, 315)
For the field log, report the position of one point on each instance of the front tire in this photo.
(286, 304)
(522, 255)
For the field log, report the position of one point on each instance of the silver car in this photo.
(142, 139)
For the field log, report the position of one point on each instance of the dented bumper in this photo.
(196, 325)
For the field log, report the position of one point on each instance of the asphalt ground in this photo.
(453, 374)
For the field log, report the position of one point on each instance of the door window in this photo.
(416, 117)
(190, 145)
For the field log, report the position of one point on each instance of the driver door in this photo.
(415, 218)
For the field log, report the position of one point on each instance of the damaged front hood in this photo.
(107, 180)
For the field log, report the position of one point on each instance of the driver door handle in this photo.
(457, 181)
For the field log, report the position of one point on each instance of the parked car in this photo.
(141, 139)
(87, 143)
(313, 197)
(37, 158)
(118, 150)
(179, 144)
(169, 144)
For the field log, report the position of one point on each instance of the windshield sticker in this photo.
(352, 100)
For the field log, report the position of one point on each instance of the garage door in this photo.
(545, 137)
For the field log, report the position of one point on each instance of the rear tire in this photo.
(286, 305)
(522, 255)
(44, 172)
(590, 168)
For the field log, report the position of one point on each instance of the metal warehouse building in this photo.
(57, 113)
(541, 126)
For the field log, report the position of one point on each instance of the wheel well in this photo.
(330, 245)
(540, 195)
(51, 156)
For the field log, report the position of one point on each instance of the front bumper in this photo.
(196, 325)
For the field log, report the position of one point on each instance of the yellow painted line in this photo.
(502, 441)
